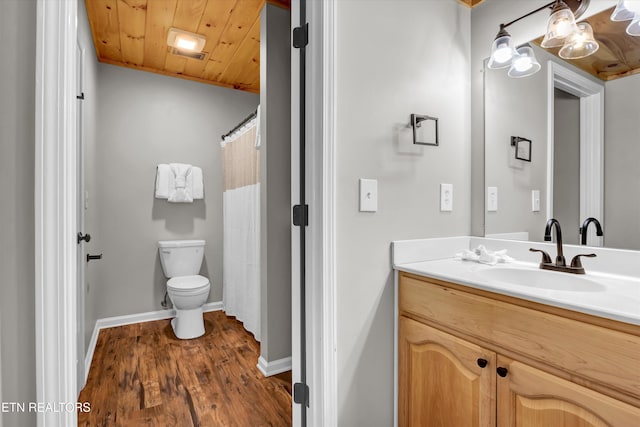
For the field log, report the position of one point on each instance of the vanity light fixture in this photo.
(579, 44)
(628, 10)
(502, 50)
(524, 63)
(185, 41)
(561, 30)
(561, 25)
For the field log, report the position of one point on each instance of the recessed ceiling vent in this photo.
(187, 54)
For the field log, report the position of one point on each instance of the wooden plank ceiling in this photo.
(618, 55)
(133, 33)
(471, 3)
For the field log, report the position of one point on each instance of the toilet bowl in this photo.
(188, 291)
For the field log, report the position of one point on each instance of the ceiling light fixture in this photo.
(562, 30)
(186, 41)
(628, 10)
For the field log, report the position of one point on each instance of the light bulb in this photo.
(503, 53)
(185, 44)
(522, 63)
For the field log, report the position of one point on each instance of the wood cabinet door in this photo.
(440, 380)
(528, 397)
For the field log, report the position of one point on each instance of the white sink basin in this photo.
(541, 279)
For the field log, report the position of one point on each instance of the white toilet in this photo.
(181, 261)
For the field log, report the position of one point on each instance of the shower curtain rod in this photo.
(242, 123)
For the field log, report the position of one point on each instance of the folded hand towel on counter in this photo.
(484, 256)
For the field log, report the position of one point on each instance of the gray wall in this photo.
(394, 58)
(566, 164)
(275, 187)
(621, 156)
(17, 151)
(145, 119)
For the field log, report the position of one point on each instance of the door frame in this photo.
(56, 209)
(591, 96)
(321, 166)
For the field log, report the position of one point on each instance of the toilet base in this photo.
(188, 324)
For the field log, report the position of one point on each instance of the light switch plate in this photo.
(446, 197)
(535, 200)
(492, 199)
(368, 195)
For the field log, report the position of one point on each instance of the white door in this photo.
(80, 226)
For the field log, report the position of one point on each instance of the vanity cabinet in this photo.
(468, 357)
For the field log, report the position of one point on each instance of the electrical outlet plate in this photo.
(492, 199)
(446, 197)
(535, 200)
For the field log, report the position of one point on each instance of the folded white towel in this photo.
(484, 256)
(164, 181)
(197, 188)
(181, 192)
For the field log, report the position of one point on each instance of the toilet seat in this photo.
(187, 284)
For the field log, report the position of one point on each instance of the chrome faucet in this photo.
(561, 263)
(585, 225)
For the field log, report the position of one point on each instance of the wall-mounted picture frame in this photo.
(522, 148)
(425, 130)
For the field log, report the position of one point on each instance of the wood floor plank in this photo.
(142, 375)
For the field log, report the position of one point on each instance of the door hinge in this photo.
(301, 394)
(81, 96)
(301, 36)
(301, 215)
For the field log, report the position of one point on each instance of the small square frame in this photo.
(416, 119)
(523, 148)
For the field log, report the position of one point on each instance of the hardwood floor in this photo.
(142, 375)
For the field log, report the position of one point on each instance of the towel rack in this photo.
(242, 123)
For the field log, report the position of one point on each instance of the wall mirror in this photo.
(585, 149)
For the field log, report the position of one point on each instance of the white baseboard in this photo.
(129, 319)
(273, 368)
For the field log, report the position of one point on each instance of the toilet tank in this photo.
(181, 257)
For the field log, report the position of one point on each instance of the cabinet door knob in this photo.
(482, 362)
(502, 371)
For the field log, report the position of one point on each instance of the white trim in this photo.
(329, 386)
(273, 368)
(130, 319)
(591, 96)
(55, 209)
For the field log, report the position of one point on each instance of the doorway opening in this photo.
(591, 143)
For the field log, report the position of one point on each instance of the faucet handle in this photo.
(575, 261)
(546, 259)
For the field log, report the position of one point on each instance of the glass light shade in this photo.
(561, 23)
(502, 51)
(580, 44)
(524, 63)
(625, 10)
(634, 28)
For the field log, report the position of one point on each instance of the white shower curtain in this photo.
(241, 219)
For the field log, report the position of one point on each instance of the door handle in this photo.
(85, 237)
(92, 257)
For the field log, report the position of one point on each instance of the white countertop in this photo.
(612, 296)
